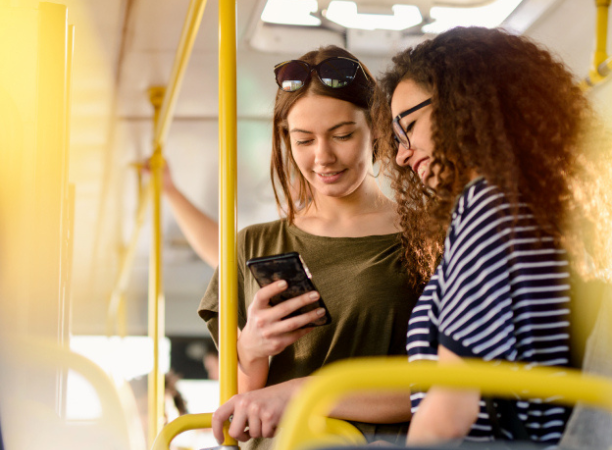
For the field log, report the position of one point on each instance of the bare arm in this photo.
(261, 410)
(267, 332)
(444, 414)
(379, 407)
(201, 231)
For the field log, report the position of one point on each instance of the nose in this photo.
(324, 153)
(403, 155)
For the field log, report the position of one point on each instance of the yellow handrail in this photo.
(180, 424)
(181, 59)
(228, 280)
(127, 261)
(303, 425)
(602, 63)
(157, 304)
(27, 354)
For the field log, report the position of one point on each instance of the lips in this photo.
(330, 177)
(420, 167)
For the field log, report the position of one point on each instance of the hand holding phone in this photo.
(272, 325)
(291, 268)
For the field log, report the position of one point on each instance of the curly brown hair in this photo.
(503, 107)
(360, 92)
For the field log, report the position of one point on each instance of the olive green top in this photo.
(363, 285)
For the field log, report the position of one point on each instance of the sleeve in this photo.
(209, 304)
(475, 306)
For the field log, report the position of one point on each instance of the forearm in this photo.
(201, 231)
(444, 415)
(252, 371)
(253, 376)
(393, 407)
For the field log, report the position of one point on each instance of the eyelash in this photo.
(410, 126)
(346, 137)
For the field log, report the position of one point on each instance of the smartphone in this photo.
(291, 268)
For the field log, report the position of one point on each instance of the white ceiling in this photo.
(122, 48)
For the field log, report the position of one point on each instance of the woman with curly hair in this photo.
(486, 127)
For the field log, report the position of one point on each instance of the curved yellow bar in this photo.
(302, 422)
(20, 353)
(179, 425)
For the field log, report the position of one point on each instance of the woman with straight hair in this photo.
(347, 232)
(485, 135)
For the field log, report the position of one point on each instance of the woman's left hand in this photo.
(259, 410)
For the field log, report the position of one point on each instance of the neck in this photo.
(366, 199)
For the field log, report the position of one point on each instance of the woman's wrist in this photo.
(249, 361)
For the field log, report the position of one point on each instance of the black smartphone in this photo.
(291, 268)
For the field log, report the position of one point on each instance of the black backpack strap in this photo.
(508, 414)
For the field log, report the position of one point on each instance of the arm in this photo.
(444, 414)
(267, 333)
(381, 408)
(201, 231)
(261, 410)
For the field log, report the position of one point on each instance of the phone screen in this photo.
(291, 268)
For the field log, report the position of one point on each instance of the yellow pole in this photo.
(181, 59)
(228, 281)
(127, 261)
(601, 32)
(601, 64)
(156, 295)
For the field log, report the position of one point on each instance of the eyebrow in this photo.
(341, 124)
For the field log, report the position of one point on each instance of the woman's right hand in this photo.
(167, 181)
(266, 333)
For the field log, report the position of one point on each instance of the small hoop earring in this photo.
(375, 157)
(375, 176)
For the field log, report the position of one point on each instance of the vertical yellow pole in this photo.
(228, 281)
(156, 295)
(601, 32)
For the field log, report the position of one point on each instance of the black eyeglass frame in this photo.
(397, 126)
(311, 68)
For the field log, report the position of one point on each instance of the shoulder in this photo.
(261, 229)
(482, 207)
(479, 195)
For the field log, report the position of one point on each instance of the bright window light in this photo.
(345, 14)
(489, 16)
(291, 12)
(124, 358)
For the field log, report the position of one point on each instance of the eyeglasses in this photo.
(336, 72)
(400, 135)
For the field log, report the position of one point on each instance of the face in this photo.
(418, 128)
(331, 143)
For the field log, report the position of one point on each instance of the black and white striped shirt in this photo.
(498, 294)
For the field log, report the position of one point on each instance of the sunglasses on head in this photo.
(335, 72)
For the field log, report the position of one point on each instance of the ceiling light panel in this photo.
(345, 13)
(291, 12)
(490, 15)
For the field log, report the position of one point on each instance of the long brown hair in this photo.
(283, 168)
(503, 107)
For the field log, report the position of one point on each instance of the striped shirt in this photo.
(499, 293)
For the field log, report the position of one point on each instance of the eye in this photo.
(410, 127)
(345, 137)
(306, 142)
